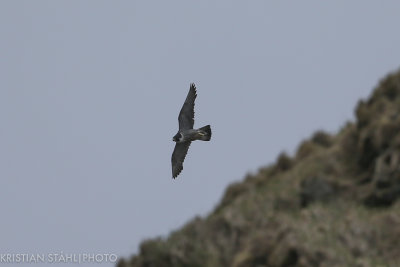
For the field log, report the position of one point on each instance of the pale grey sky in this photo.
(90, 92)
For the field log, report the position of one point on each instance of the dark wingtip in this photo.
(174, 175)
(193, 86)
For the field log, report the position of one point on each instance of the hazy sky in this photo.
(90, 92)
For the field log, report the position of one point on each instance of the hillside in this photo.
(334, 203)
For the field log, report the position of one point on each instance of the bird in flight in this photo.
(186, 133)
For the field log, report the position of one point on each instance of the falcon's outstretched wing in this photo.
(186, 116)
(178, 156)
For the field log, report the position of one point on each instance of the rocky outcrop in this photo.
(336, 202)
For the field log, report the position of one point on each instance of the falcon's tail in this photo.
(205, 133)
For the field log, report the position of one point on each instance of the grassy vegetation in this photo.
(335, 203)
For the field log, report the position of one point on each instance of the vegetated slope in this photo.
(334, 203)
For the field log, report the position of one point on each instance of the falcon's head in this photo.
(177, 137)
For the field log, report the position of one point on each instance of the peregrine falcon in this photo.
(186, 133)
